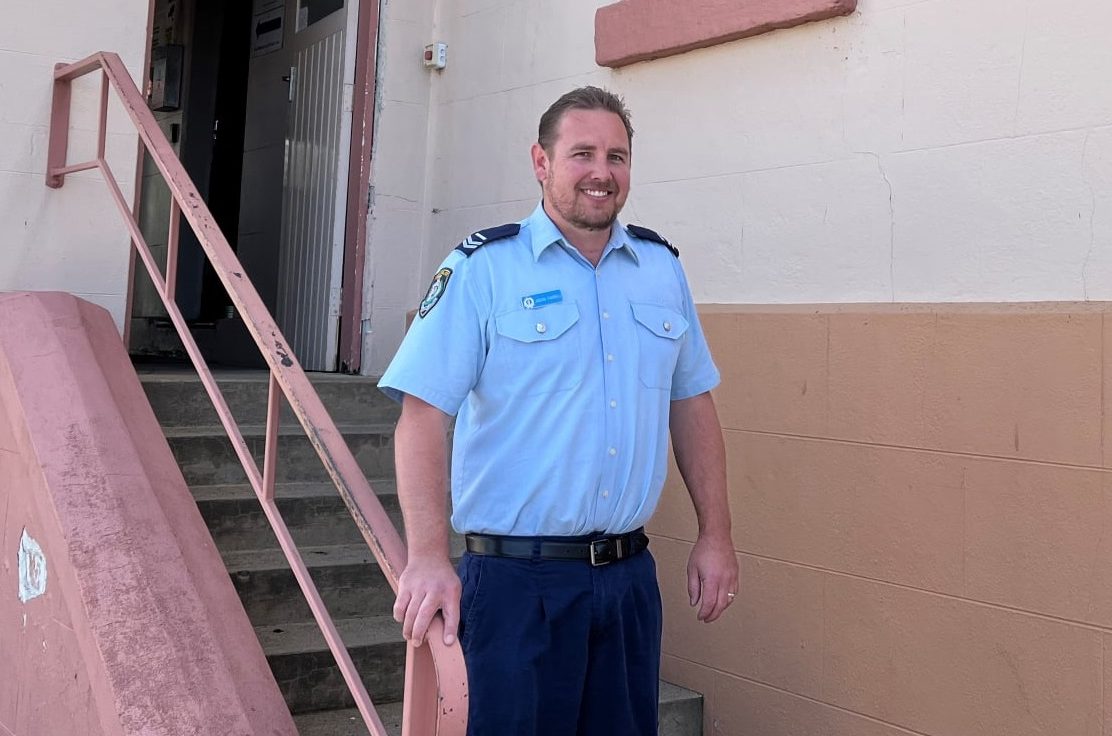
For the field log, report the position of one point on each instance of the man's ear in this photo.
(540, 162)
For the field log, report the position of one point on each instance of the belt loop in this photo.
(536, 549)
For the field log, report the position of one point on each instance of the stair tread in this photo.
(306, 636)
(186, 374)
(285, 490)
(670, 693)
(259, 430)
(347, 722)
(273, 558)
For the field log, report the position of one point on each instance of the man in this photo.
(567, 344)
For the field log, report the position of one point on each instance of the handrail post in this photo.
(58, 146)
(270, 445)
(172, 251)
(102, 127)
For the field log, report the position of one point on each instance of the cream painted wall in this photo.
(927, 150)
(70, 239)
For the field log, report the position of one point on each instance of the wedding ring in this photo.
(731, 595)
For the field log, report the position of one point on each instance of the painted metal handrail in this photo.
(435, 696)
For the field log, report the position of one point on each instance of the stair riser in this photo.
(679, 718)
(348, 591)
(210, 460)
(312, 681)
(185, 404)
(241, 524)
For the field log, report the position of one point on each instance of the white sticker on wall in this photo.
(32, 568)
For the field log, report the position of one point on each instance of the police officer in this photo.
(566, 346)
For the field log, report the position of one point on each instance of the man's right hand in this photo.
(425, 587)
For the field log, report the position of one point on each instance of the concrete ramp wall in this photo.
(117, 616)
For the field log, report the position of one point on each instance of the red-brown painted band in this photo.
(636, 30)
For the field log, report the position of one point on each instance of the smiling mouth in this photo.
(596, 193)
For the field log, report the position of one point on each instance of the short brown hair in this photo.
(583, 98)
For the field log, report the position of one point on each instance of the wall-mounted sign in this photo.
(266, 31)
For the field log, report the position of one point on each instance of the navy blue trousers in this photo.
(560, 648)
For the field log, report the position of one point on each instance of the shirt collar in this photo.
(543, 233)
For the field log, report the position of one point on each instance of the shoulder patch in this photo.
(474, 241)
(646, 234)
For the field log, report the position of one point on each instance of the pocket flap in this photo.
(535, 325)
(661, 321)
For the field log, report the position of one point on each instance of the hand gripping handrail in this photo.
(435, 699)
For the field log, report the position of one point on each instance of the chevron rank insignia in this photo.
(646, 234)
(474, 241)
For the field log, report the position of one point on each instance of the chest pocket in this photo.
(540, 351)
(659, 333)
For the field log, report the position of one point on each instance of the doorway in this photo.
(264, 130)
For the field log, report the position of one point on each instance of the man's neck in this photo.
(589, 243)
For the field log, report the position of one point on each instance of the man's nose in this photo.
(600, 169)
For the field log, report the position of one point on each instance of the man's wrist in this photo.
(716, 533)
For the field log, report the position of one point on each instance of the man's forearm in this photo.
(701, 458)
(421, 460)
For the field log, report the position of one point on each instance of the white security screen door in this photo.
(320, 54)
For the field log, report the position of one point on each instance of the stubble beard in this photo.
(577, 215)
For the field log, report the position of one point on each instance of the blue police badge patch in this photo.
(436, 290)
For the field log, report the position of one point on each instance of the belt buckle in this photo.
(598, 553)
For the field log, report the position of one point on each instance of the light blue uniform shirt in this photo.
(562, 375)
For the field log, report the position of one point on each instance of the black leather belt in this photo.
(597, 549)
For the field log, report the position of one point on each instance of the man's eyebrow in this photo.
(584, 146)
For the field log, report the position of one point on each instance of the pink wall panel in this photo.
(138, 628)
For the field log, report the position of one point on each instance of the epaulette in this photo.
(474, 241)
(646, 234)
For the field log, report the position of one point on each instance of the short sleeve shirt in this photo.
(561, 375)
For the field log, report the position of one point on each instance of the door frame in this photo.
(359, 187)
(368, 22)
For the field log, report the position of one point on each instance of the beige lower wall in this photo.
(922, 512)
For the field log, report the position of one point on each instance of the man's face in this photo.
(585, 177)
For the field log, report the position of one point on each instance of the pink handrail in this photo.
(435, 696)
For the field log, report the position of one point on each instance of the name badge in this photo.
(543, 299)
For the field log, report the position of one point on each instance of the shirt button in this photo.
(542, 327)
(613, 404)
(606, 494)
(613, 451)
(667, 326)
(606, 315)
(609, 358)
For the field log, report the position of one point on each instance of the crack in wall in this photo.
(891, 224)
(1092, 217)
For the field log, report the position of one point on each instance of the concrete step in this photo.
(179, 398)
(347, 575)
(306, 671)
(206, 457)
(681, 714)
(348, 722)
(314, 513)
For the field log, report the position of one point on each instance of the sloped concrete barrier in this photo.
(117, 616)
